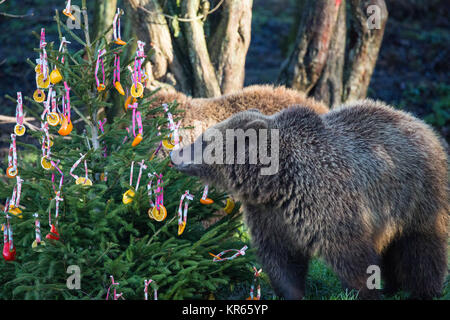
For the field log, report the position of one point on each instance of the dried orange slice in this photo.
(101, 87)
(120, 42)
(55, 76)
(206, 201)
(69, 14)
(128, 196)
(83, 181)
(41, 82)
(53, 118)
(150, 215)
(45, 163)
(38, 95)
(37, 245)
(119, 88)
(159, 215)
(181, 227)
(137, 91)
(15, 211)
(137, 140)
(66, 127)
(19, 129)
(229, 206)
(11, 172)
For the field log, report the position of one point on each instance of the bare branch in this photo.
(15, 15)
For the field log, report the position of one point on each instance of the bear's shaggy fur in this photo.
(206, 112)
(361, 185)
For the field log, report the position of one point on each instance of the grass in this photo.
(321, 284)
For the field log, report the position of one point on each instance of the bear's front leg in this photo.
(286, 270)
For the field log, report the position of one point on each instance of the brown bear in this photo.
(363, 185)
(203, 113)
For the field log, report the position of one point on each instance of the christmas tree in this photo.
(118, 215)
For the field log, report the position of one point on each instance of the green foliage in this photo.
(438, 93)
(98, 232)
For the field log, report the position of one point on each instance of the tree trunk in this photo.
(104, 16)
(329, 87)
(206, 58)
(205, 80)
(303, 68)
(363, 55)
(229, 44)
(152, 28)
(328, 64)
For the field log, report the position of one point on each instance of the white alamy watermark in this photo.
(74, 24)
(374, 280)
(74, 280)
(236, 146)
(374, 17)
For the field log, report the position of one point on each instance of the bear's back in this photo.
(396, 158)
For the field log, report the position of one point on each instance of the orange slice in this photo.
(53, 118)
(119, 88)
(41, 83)
(38, 95)
(11, 172)
(19, 129)
(137, 140)
(45, 163)
(101, 87)
(229, 206)
(55, 76)
(159, 215)
(137, 91)
(181, 228)
(206, 201)
(83, 181)
(120, 42)
(66, 127)
(128, 196)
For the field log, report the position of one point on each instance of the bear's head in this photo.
(244, 154)
(237, 154)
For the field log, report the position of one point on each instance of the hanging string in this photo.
(182, 214)
(100, 86)
(155, 292)
(238, 253)
(115, 295)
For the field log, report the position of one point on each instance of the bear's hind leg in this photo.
(422, 259)
(351, 266)
(390, 269)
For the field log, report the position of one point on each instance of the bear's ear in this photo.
(256, 124)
